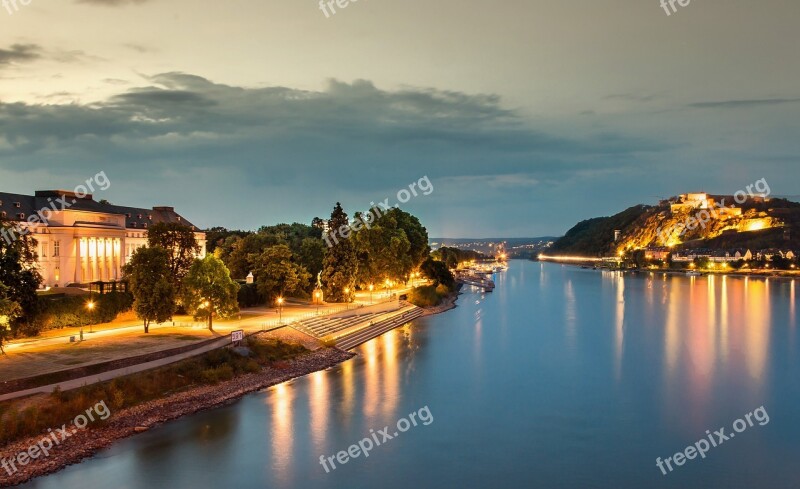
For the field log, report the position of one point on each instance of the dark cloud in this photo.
(301, 150)
(736, 104)
(20, 53)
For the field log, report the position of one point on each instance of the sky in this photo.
(525, 116)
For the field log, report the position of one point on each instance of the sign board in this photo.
(237, 336)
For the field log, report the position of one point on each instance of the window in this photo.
(21, 215)
(17, 205)
(56, 248)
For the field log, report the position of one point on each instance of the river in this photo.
(560, 378)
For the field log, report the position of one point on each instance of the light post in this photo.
(207, 305)
(90, 306)
(280, 310)
(371, 288)
(347, 298)
(317, 294)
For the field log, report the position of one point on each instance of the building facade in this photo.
(79, 240)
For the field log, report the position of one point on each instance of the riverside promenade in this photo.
(37, 366)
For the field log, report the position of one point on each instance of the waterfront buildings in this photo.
(80, 240)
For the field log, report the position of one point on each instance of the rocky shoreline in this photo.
(86, 443)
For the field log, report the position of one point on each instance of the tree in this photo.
(276, 274)
(19, 276)
(341, 263)
(417, 236)
(239, 252)
(438, 272)
(180, 241)
(312, 255)
(150, 281)
(209, 289)
(9, 310)
(383, 251)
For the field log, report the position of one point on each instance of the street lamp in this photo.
(347, 297)
(371, 288)
(280, 310)
(90, 306)
(317, 294)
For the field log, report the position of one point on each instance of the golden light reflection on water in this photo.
(620, 325)
(282, 435)
(713, 324)
(319, 401)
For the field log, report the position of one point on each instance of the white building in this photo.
(80, 240)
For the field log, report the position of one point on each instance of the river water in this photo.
(561, 378)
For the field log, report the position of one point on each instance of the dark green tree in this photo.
(277, 274)
(180, 241)
(312, 255)
(438, 272)
(150, 281)
(18, 274)
(340, 266)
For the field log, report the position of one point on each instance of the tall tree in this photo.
(383, 251)
(277, 274)
(150, 281)
(208, 289)
(180, 241)
(19, 275)
(340, 266)
(417, 236)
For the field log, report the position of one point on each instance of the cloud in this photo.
(20, 53)
(292, 151)
(736, 104)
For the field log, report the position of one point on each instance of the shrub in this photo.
(428, 295)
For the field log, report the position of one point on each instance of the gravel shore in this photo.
(84, 444)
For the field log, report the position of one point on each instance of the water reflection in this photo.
(281, 433)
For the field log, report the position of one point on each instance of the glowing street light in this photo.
(280, 310)
(317, 299)
(371, 288)
(90, 307)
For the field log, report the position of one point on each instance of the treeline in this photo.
(287, 259)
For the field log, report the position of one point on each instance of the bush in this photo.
(63, 312)
(428, 295)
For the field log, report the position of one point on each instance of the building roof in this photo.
(135, 217)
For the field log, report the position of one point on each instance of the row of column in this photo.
(97, 259)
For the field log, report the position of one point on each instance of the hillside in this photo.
(757, 224)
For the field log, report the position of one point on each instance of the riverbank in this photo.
(447, 304)
(86, 443)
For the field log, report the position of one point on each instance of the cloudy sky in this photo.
(526, 116)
